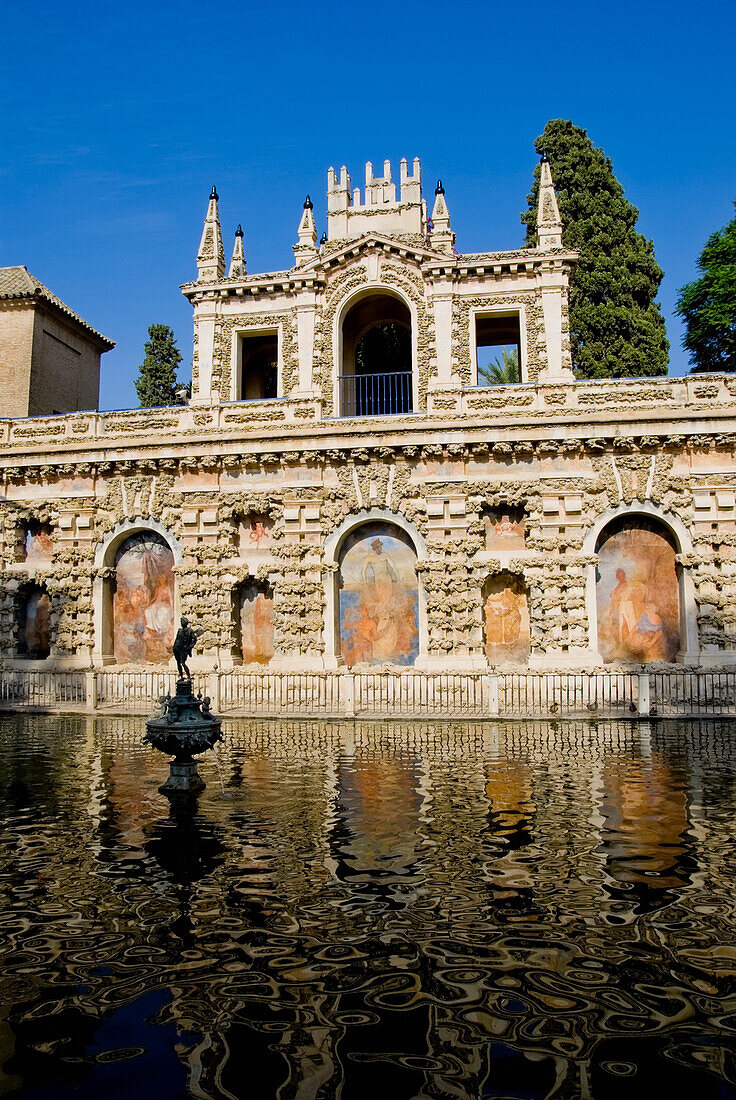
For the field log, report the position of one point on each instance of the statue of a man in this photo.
(183, 646)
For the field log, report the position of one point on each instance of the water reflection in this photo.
(519, 910)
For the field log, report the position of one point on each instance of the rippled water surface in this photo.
(370, 910)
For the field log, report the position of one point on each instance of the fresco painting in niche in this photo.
(379, 598)
(507, 631)
(143, 604)
(255, 532)
(36, 624)
(38, 544)
(256, 626)
(637, 594)
(505, 529)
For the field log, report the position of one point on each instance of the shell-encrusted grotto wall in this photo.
(530, 502)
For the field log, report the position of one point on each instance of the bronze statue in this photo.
(183, 647)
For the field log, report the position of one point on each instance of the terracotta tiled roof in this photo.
(17, 282)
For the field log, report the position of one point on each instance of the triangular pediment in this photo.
(349, 251)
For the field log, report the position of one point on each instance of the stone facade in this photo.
(501, 497)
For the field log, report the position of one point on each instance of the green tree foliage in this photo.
(156, 382)
(708, 305)
(616, 326)
(501, 372)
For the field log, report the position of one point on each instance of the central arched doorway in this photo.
(375, 376)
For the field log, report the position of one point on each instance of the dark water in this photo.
(461, 911)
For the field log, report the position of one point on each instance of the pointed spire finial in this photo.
(306, 247)
(237, 263)
(211, 257)
(441, 236)
(549, 223)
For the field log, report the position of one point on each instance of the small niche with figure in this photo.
(506, 627)
(504, 527)
(34, 623)
(35, 542)
(254, 533)
(254, 625)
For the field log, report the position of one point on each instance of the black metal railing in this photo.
(375, 394)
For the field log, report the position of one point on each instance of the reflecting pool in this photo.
(370, 910)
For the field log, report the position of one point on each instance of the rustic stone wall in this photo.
(566, 487)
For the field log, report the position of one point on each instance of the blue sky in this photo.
(118, 120)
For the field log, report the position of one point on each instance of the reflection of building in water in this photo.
(646, 819)
(341, 917)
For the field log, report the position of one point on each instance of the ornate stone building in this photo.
(346, 489)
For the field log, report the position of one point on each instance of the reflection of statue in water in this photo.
(183, 647)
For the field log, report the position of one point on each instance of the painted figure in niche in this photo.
(378, 600)
(36, 624)
(254, 533)
(506, 615)
(637, 594)
(143, 604)
(505, 529)
(38, 543)
(256, 626)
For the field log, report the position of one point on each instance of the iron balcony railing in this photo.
(375, 394)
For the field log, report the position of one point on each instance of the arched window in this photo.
(376, 371)
(34, 622)
(506, 628)
(253, 619)
(142, 592)
(379, 597)
(637, 591)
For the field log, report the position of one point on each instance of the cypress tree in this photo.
(708, 305)
(156, 382)
(616, 326)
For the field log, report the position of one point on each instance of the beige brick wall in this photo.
(66, 368)
(16, 345)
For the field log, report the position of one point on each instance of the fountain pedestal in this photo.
(184, 728)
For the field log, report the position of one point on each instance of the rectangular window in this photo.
(498, 349)
(258, 366)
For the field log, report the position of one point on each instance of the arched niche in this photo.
(641, 603)
(375, 355)
(506, 625)
(135, 600)
(33, 620)
(378, 596)
(253, 611)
